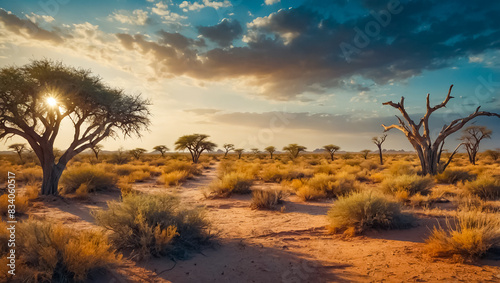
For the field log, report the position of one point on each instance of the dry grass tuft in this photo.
(360, 211)
(173, 178)
(454, 176)
(266, 199)
(410, 183)
(229, 183)
(154, 225)
(485, 187)
(48, 252)
(470, 237)
(87, 177)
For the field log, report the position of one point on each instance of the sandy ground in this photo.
(287, 245)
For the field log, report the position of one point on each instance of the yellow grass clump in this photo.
(266, 199)
(471, 236)
(173, 178)
(229, 183)
(485, 187)
(93, 178)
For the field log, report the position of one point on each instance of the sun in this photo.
(51, 101)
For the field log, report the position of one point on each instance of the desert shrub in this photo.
(411, 183)
(21, 203)
(360, 211)
(30, 175)
(94, 178)
(154, 225)
(32, 191)
(493, 154)
(266, 199)
(485, 187)
(369, 165)
(401, 168)
(173, 178)
(471, 236)
(454, 176)
(178, 165)
(234, 182)
(308, 193)
(47, 252)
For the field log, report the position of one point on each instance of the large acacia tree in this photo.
(418, 134)
(196, 144)
(36, 98)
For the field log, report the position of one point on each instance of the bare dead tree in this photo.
(378, 141)
(428, 151)
(471, 137)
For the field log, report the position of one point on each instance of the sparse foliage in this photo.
(271, 149)
(196, 144)
(96, 148)
(471, 137)
(162, 149)
(239, 151)
(294, 149)
(365, 153)
(428, 151)
(255, 151)
(19, 148)
(35, 99)
(331, 149)
(228, 147)
(137, 152)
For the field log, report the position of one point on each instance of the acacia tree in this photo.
(96, 148)
(36, 98)
(18, 148)
(365, 153)
(196, 144)
(331, 149)
(162, 149)
(239, 151)
(428, 151)
(294, 149)
(137, 152)
(255, 150)
(271, 149)
(228, 147)
(471, 137)
(378, 141)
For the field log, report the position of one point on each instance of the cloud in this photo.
(223, 33)
(271, 2)
(202, 111)
(136, 17)
(36, 18)
(195, 6)
(14, 24)
(161, 9)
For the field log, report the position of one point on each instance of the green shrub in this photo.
(472, 235)
(94, 178)
(360, 211)
(154, 225)
(266, 199)
(47, 252)
(454, 176)
(410, 183)
(485, 187)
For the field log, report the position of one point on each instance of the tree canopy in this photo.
(37, 97)
(196, 144)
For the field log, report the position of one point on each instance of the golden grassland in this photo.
(366, 196)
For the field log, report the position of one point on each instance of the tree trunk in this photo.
(271, 155)
(51, 175)
(380, 154)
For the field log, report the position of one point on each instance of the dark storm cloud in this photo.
(223, 33)
(14, 24)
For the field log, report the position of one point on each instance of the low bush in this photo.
(360, 211)
(92, 178)
(154, 225)
(485, 187)
(266, 199)
(454, 176)
(234, 182)
(411, 183)
(173, 178)
(47, 252)
(470, 237)
(30, 175)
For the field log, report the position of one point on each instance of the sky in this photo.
(260, 73)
